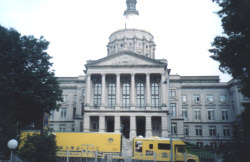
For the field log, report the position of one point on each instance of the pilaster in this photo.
(148, 126)
(117, 124)
(86, 123)
(101, 123)
(132, 127)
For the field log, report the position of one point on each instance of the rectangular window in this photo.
(226, 131)
(197, 114)
(212, 131)
(111, 95)
(196, 98)
(184, 98)
(224, 114)
(174, 128)
(155, 95)
(185, 130)
(51, 127)
(97, 94)
(62, 128)
(52, 114)
(83, 93)
(65, 98)
(198, 131)
(163, 146)
(63, 113)
(210, 114)
(74, 112)
(173, 108)
(125, 95)
(172, 92)
(140, 95)
(184, 113)
(75, 98)
(223, 97)
(209, 98)
(81, 126)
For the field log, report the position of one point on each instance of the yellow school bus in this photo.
(158, 149)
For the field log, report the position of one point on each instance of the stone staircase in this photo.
(127, 147)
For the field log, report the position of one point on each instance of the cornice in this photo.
(124, 52)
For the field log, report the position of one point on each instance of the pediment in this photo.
(126, 59)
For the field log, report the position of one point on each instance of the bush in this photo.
(39, 148)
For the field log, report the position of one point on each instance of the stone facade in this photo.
(127, 92)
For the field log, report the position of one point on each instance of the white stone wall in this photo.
(138, 41)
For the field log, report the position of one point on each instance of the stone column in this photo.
(117, 124)
(118, 88)
(86, 123)
(163, 90)
(148, 126)
(101, 123)
(132, 127)
(88, 93)
(148, 90)
(77, 125)
(103, 104)
(133, 91)
(164, 129)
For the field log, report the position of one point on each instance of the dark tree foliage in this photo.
(28, 86)
(39, 148)
(232, 50)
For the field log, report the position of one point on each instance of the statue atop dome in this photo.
(131, 8)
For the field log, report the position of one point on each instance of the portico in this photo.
(127, 96)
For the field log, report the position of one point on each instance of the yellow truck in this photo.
(99, 145)
(158, 149)
(79, 144)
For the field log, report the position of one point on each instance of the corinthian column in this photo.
(132, 91)
(103, 104)
(88, 89)
(163, 89)
(148, 103)
(118, 91)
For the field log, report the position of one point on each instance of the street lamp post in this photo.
(170, 115)
(12, 144)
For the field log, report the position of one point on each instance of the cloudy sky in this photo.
(78, 30)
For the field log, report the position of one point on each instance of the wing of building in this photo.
(127, 91)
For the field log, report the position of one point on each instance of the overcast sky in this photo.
(78, 30)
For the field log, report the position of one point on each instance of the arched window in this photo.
(97, 94)
(140, 95)
(125, 95)
(111, 95)
(155, 94)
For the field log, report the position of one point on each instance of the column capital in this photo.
(147, 74)
(103, 74)
(118, 74)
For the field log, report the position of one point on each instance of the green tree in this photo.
(39, 148)
(232, 50)
(28, 86)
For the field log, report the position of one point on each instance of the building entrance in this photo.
(140, 126)
(125, 126)
(109, 124)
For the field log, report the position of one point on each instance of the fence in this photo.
(154, 157)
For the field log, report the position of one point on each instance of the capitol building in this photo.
(132, 92)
